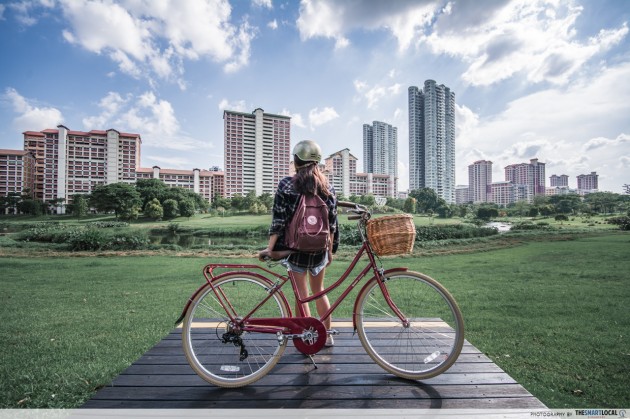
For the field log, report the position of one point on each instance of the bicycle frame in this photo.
(275, 325)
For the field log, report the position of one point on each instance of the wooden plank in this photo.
(330, 368)
(317, 377)
(346, 377)
(300, 388)
(528, 403)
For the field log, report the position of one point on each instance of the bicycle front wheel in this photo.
(432, 339)
(222, 354)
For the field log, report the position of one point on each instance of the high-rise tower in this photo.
(480, 181)
(257, 151)
(380, 149)
(432, 139)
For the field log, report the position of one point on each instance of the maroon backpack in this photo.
(309, 228)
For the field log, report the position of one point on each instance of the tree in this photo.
(79, 206)
(445, 211)
(237, 202)
(486, 213)
(171, 209)
(121, 198)
(150, 189)
(153, 209)
(30, 207)
(565, 204)
(187, 208)
(426, 200)
(249, 200)
(602, 202)
(409, 205)
(266, 199)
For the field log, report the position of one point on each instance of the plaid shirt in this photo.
(284, 205)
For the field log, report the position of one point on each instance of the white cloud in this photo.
(111, 106)
(273, 24)
(31, 117)
(296, 119)
(318, 117)
(263, 3)
(497, 40)
(171, 162)
(574, 130)
(150, 39)
(534, 38)
(372, 95)
(238, 106)
(2, 9)
(333, 19)
(153, 118)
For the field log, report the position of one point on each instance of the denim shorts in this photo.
(315, 270)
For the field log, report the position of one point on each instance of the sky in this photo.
(545, 79)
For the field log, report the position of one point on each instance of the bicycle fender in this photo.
(192, 297)
(386, 272)
(207, 284)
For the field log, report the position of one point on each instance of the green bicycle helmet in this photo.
(307, 151)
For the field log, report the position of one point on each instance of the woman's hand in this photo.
(264, 254)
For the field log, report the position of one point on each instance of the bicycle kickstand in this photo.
(312, 360)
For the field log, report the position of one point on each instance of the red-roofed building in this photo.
(17, 173)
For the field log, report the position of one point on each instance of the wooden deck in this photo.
(346, 377)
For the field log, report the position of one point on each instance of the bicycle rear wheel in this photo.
(221, 354)
(426, 347)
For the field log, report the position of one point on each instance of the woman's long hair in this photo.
(309, 179)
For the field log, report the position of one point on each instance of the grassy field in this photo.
(201, 221)
(552, 313)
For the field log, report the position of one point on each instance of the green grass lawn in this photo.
(553, 314)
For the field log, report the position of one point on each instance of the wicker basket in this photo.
(392, 234)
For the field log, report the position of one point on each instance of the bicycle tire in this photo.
(433, 340)
(206, 321)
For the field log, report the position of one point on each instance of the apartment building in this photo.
(17, 173)
(341, 170)
(207, 183)
(380, 149)
(71, 162)
(432, 139)
(480, 181)
(561, 181)
(257, 151)
(67, 162)
(587, 183)
(531, 174)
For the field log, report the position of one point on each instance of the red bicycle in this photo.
(236, 326)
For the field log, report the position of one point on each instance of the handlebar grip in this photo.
(354, 217)
(346, 204)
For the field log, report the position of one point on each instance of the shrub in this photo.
(623, 222)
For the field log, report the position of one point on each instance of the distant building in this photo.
(559, 190)
(204, 182)
(380, 149)
(432, 139)
(462, 194)
(257, 151)
(587, 183)
(562, 180)
(17, 173)
(341, 170)
(479, 181)
(531, 175)
(505, 193)
(67, 162)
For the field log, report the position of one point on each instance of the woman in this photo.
(308, 179)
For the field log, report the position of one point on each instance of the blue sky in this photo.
(544, 79)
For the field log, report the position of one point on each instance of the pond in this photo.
(188, 240)
(502, 227)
